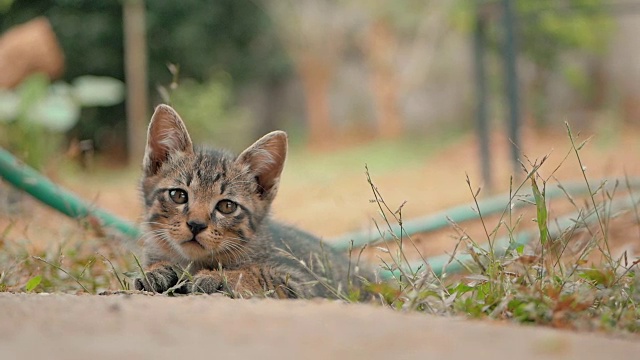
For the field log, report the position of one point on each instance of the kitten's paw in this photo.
(208, 283)
(159, 279)
(234, 283)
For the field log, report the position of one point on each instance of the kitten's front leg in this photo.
(248, 282)
(159, 278)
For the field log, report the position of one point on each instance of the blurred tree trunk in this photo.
(597, 72)
(400, 40)
(271, 105)
(539, 95)
(135, 52)
(380, 49)
(313, 33)
(315, 76)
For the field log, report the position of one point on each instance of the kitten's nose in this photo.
(196, 226)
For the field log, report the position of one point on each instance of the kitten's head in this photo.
(203, 204)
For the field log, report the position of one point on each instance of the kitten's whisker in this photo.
(237, 251)
(227, 249)
(162, 236)
(154, 223)
(148, 235)
(152, 233)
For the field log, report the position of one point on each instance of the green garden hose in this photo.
(442, 264)
(458, 214)
(29, 180)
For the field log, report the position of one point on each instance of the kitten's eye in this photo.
(178, 196)
(226, 206)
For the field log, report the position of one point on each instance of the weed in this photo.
(557, 280)
(415, 284)
(71, 266)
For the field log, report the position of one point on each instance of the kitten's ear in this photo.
(266, 158)
(167, 134)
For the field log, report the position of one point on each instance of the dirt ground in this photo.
(71, 327)
(75, 327)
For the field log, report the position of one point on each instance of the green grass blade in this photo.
(541, 211)
(33, 283)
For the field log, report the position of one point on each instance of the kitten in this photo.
(207, 226)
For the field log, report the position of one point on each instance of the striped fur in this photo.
(207, 226)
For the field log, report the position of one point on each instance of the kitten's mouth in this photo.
(193, 242)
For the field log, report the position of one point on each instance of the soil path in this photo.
(46, 326)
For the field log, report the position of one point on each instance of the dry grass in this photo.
(567, 277)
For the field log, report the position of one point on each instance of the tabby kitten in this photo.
(207, 226)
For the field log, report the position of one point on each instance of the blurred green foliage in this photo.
(545, 28)
(202, 37)
(208, 108)
(19, 132)
(37, 113)
(547, 31)
(549, 28)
